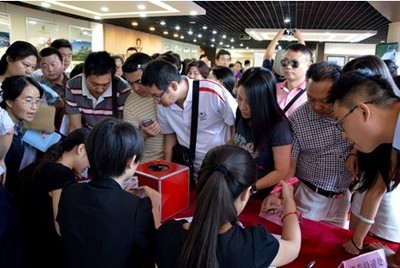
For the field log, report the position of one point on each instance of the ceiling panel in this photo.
(231, 18)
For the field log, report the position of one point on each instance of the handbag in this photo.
(181, 154)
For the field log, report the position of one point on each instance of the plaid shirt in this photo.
(320, 150)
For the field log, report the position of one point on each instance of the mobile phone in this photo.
(147, 122)
(288, 32)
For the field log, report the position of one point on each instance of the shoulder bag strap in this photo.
(195, 109)
(114, 89)
(293, 100)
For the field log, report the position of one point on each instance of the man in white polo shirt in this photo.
(173, 93)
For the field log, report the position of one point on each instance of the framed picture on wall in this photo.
(81, 41)
(339, 60)
(41, 33)
(387, 51)
(4, 30)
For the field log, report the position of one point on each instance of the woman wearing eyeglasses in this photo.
(21, 99)
(262, 128)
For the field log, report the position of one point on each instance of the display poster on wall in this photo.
(41, 33)
(81, 41)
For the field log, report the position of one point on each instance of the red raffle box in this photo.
(170, 180)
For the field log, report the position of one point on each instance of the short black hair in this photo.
(99, 63)
(297, 47)
(362, 84)
(59, 43)
(14, 85)
(222, 52)
(48, 51)
(323, 70)
(160, 73)
(110, 145)
(135, 62)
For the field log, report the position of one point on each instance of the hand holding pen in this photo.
(278, 187)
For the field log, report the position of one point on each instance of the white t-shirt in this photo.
(215, 116)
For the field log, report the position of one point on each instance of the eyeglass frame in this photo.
(29, 102)
(158, 98)
(339, 123)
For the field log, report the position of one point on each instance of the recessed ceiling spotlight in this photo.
(221, 43)
(224, 36)
(193, 12)
(176, 35)
(135, 23)
(241, 44)
(152, 28)
(165, 32)
(383, 41)
(204, 27)
(199, 35)
(177, 28)
(162, 22)
(45, 4)
(287, 20)
(247, 47)
(232, 40)
(194, 40)
(104, 9)
(182, 37)
(141, 7)
(192, 22)
(97, 17)
(212, 45)
(213, 40)
(190, 32)
(232, 47)
(143, 15)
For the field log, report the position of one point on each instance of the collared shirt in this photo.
(60, 89)
(320, 150)
(284, 96)
(80, 101)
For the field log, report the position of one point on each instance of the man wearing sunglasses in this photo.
(367, 111)
(290, 93)
(140, 108)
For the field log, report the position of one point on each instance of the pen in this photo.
(292, 181)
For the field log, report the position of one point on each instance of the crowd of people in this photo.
(336, 129)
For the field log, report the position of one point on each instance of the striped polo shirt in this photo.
(80, 101)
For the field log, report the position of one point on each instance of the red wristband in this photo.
(290, 213)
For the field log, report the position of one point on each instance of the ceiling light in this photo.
(199, 35)
(45, 4)
(176, 35)
(287, 20)
(193, 12)
(213, 40)
(104, 9)
(143, 15)
(190, 32)
(141, 7)
(221, 43)
(165, 32)
(204, 27)
(232, 47)
(135, 23)
(214, 32)
(97, 17)
(314, 35)
(194, 40)
(192, 22)
(177, 28)
(152, 28)
(241, 44)
(212, 45)
(232, 40)
(182, 37)
(162, 22)
(247, 47)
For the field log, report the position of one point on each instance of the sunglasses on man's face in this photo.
(293, 63)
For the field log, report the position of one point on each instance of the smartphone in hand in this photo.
(147, 122)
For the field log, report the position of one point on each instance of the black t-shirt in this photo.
(36, 209)
(238, 247)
